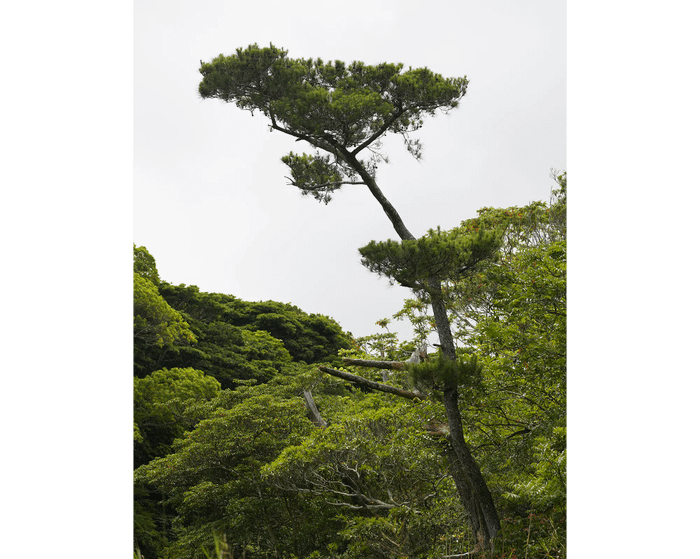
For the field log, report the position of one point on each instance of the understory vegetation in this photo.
(246, 447)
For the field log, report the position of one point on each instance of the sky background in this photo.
(211, 202)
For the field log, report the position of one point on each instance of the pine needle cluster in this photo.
(439, 372)
(439, 254)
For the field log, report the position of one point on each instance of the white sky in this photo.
(210, 199)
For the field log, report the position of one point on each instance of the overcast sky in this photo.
(211, 202)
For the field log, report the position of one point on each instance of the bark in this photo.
(471, 486)
(466, 495)
(484, 517)
(442, 321)
(373, 385)
(387, 206)
(481, 508)
(312, 410)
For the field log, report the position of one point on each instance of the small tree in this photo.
(344, 112)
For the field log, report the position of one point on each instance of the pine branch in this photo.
(378, 133)
(320, 186)
(316, 142)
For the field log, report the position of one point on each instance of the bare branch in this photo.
(312, 410)
(379, 132)
(316, 142)
(373, 385)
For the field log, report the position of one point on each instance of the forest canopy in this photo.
(242, 444)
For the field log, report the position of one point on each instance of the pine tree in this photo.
(344, 111)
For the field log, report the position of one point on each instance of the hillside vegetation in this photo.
(244, 447)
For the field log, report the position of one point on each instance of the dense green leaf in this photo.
(338, 108)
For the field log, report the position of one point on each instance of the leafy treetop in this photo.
(338, 108)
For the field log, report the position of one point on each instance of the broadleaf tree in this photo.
(512, 313)
(344, 111)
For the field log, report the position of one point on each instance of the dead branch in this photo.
(312, 410)
(373, 385)
(393, 365)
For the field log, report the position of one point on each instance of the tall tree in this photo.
(344, 111)
(156, 324)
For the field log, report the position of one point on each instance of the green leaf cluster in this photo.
(212, 478)
(236, 341)
(343, 104)
(157, 326)
(376, 466)
(340, 109)
(437, 373)
(154, 320)
(511, 313)
(438, 255)
(161, 402)
(319, 175)
(188, 345)
(224, 444)
(145, 265)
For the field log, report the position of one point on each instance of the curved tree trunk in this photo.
(478, 501)
(471, 486)
(484, 517)
(473, 491)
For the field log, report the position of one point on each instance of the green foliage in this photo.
(318, 174)
(237, 341)
(376, 466)
(384, 346)
(156, 325)
(348, 103)
(510, 312)
(155, 321)
(247, 465)
(161, 401)
(201, 342)
(309, 338)
(524, 344)
(337, 107)
(145, 264)
(438, 255)
(438, 373)
(212, 478)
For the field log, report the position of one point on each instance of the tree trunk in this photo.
(478, 501)
(473, 492)
(466, 495)
(442, 321)
(481, 509)
(371, 184)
